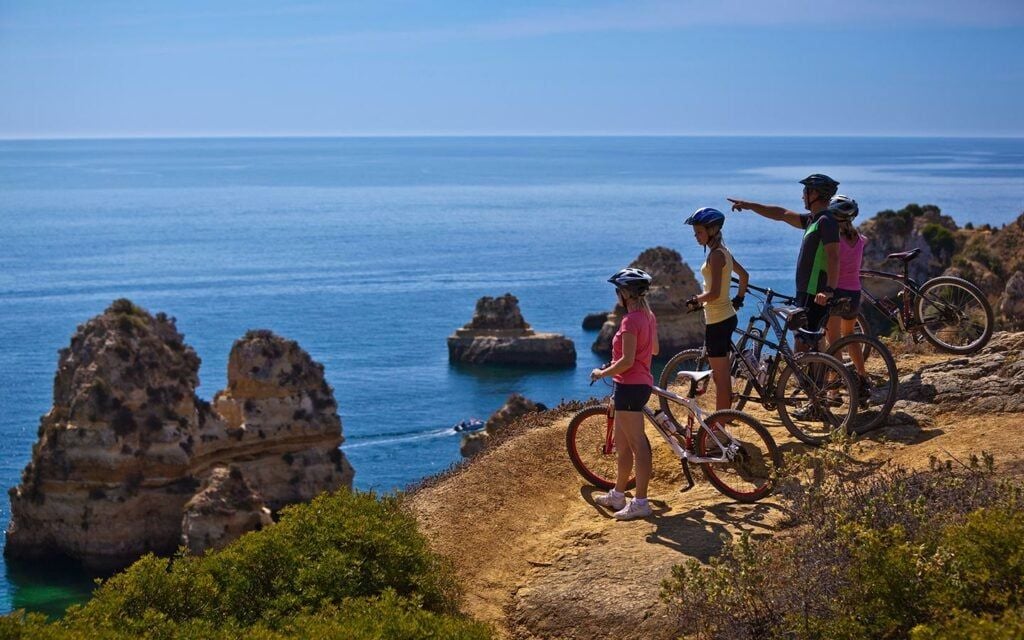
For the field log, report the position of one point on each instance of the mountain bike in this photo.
(735, 452)
(950, 313)
(813, 392)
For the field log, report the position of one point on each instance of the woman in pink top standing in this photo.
(851, 254)
(633, 346)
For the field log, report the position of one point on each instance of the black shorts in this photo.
(718, 337)
(631, 397)
(816, 313)
(849, 310)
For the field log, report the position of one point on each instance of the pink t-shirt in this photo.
(645, 327)
(850, 257)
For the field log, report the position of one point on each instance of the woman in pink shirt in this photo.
(851, 254)
(633, 346)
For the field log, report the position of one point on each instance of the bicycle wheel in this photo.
(877, 391)
(954, 315)
(754, 458)
(815, 397)
(689, 360)
(587, 441)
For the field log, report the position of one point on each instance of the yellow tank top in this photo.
(720, 308)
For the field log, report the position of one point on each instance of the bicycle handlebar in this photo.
(766, 292)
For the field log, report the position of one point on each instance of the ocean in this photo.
(370, 251)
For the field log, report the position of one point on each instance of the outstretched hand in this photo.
(738, 205)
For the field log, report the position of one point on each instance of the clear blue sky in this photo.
(86, 68)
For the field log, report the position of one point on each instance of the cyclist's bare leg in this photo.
(856, 355)
(723, 382)
(623, 453)
(834, 330)
(629, 428)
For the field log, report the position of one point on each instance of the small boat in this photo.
(472, 424)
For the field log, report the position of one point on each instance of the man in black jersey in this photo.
(817, 268)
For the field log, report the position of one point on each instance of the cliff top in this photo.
(538, 559)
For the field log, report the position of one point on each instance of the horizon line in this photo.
(299, 136)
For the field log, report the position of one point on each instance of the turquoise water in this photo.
(370, 252)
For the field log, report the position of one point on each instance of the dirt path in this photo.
(539, 560)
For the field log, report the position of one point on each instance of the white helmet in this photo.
(843, 208)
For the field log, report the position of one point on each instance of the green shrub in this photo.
(345, 565)
(939, 239)
(924, 552)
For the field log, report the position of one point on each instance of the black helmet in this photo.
(636, 281)
(843, 208)
(824, 185)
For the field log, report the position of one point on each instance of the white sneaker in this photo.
(610, 500)
(633, 510)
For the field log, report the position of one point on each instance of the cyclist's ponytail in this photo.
(848, 231)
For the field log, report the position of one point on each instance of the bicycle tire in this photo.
(688, 360)
(882, 374)
(969, 306)
(584, 440)
(752, 473)
(829, 413)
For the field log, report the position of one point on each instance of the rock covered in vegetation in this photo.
(127, 442)
(673, 282)
(225, 508)
(990, 381)
(912, 227)
(515, 407)
(498, 334)
(990, 257)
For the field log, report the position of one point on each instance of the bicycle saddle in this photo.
(905, 256)
(696, 376)
(810, 337)
(793, 317)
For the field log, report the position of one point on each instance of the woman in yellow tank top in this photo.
(719, 310)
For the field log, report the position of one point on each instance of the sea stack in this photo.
(498, 334)
(127, 443)
(673, 282)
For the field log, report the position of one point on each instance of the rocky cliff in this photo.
(498, 334)
(127, 443)
(673, 282)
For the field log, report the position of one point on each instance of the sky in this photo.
(96, 68)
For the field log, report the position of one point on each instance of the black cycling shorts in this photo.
(718, 337)
(849, 310)
(816, 313)
(631, 397)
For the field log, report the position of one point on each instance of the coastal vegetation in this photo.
(932, 553)
(346, 564)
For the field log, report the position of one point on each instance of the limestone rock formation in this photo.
(673, 282)
(594, 321)
(990, 381)
(516, 406)
(225, 508)
(498, 334)
(278, 403)
(1011, 305)
(127, 442)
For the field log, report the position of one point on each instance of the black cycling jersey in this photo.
(811, 266)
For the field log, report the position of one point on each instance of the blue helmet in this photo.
(706, 217)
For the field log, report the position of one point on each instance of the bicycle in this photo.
(950, 313)
(735, 452)
(813, 392)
